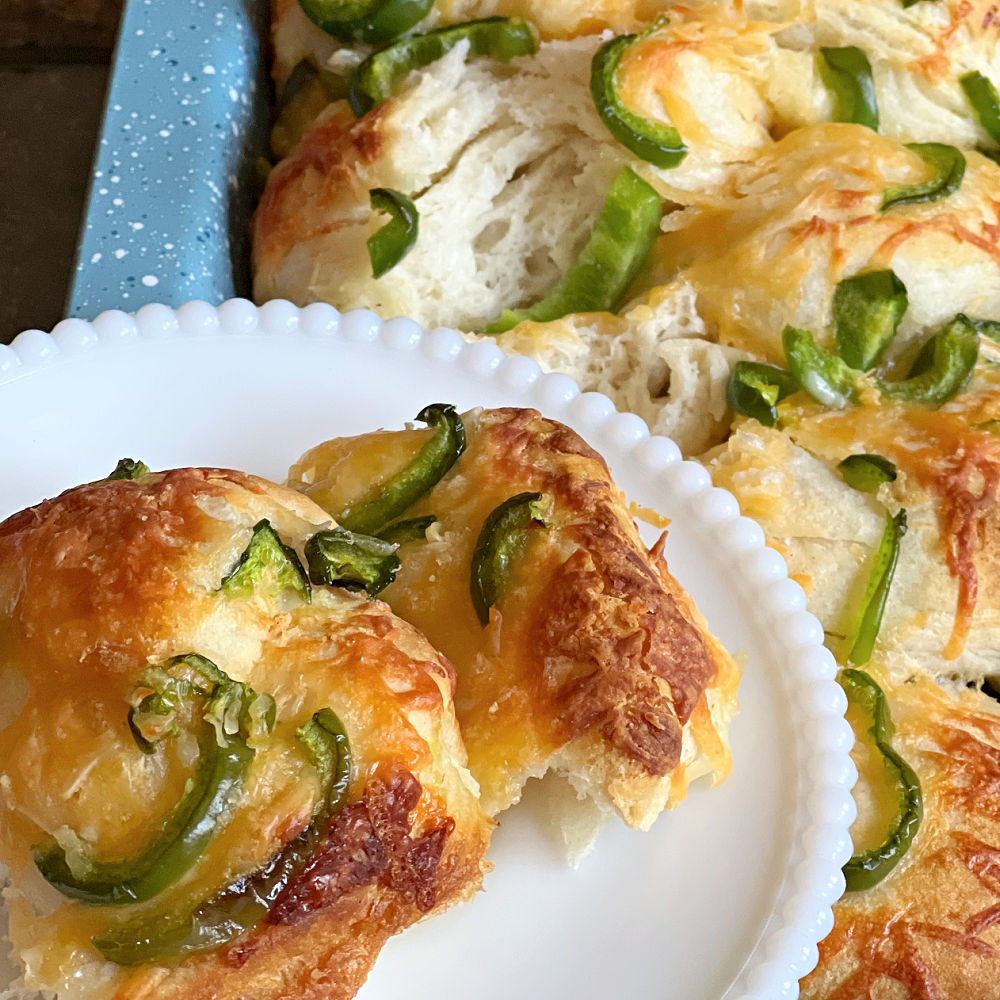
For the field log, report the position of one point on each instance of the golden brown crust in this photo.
(120, 584)
(606, 609)
(606, 625)
(111, 576)
(377, 873)
(594, 660)
(315, 189)
(931, 929)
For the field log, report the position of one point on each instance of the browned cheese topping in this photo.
(371, 841)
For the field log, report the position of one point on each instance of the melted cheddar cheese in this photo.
(595, 663)
(113, 576)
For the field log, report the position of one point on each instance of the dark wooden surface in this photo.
(54, 57)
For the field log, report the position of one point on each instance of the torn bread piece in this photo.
(217, 779)
(592, 662)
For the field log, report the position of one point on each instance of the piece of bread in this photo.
(295, 40)
(509, 164)
(595, 664)
(942, 615)
(931, 928)
(454, 143)
(482, 146)
(111, 577)
(770, 50)
(772, 245)
(656, 360)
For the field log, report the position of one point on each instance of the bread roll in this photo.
(99, 590)
(595, 664)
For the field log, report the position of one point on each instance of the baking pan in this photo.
(176, 171)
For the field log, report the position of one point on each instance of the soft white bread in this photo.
(480, 148)
(917, 55)
(943, 612)
(508, 165)
(294, 37)
(658, 359)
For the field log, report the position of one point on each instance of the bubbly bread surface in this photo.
(595, 663)
(111, 577)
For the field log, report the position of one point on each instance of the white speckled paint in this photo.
(175, 172)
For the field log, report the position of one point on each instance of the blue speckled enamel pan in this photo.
(175, 176)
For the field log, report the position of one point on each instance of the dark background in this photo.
(54, 57)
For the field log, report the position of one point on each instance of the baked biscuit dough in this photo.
(768, 250)
(112, 576)
(508, 165)
(731, 77)
(769, 52)
(595, 664)
(774, 205)
(943, 611)
(931, 929)
(784, 230)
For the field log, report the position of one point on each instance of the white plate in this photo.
(727, 895)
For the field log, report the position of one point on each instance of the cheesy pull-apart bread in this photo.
(511, 159)
(510, 170)
(788, 54)
(576, 650)
(942, 611)
(883, 501)
(929, 930)
(217, 777)
(480, 145)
